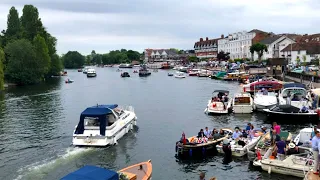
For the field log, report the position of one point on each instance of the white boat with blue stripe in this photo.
(103, 125)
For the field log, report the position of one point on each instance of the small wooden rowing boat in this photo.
(140, 171)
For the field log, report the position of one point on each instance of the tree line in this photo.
(74, 59)
(27, 49)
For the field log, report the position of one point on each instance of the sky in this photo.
(104, 25)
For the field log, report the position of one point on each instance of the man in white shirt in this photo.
(207, 132)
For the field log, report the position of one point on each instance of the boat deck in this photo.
(311, 176)
(141, 171)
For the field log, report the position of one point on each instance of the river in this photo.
(36, 125)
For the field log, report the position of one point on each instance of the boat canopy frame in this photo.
(98, 111)
(221, 91)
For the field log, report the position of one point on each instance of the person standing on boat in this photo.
(313, 133)
(201, 134)
(281, 146)
(276, 127)
(315, 150)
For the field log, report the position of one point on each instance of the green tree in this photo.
(222, 56)
(1, 69)
(106, 59)
(13, 25)
(30, 22)
(41, 54)
(259, 48)
(192, 59)
(304, 59)
(23, 67)
(73, 59)
(298, 60)
(133, 55)
(56, 65)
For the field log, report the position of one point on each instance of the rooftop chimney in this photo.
(201, 39)
(222, 36)
(207, 38)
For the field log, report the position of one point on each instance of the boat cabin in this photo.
(243, 99)
(100, 117)
(220, 96)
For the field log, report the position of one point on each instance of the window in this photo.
(299, 52)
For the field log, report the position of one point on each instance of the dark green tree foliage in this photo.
(222, 56)
(41, 54)
(73, 59)
(116, 57)
(30, 22)
(1, 69)
(23, 67)
(13, 25)
(56, 65)
(259, 48)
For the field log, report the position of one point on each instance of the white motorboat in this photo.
(85, 70)
(103, 125)
(264, 100)
(179, 75)
(242, 103)
(91, 73)
(239, 150)
(295, 95)
(293, 165)
(125, 66)
(216, 106)
(304, 137)
(193, 72)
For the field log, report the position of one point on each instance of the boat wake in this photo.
(40, 169)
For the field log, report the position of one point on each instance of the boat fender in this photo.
(259, 155)
(269, 170)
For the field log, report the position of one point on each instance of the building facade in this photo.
(160, 55)
(275, 45)
(238, 44)
(300, 52)
(207, 48)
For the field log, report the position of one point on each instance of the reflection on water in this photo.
(36, 125)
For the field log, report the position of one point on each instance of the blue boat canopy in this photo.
(292, 85)
(92, 173)
(98, 111)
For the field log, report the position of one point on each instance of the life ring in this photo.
(214, 105)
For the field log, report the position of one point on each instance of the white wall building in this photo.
(275, 45)
(295, 51)
(237, 44)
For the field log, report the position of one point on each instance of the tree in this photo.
(1, 69)
(298, 60)
(192, 59)
(222, 56)
(13, 25)
(259, 48)
(41, 54)
(73, 59)
(30, 22)
(56, 65)
(23, 67)
(304, 59)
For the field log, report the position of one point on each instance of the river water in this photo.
(36, 125)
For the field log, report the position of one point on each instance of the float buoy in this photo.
(214, 105)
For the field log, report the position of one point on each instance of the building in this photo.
(301, 52)
(275, 44)
(160, 55)
(207, 48)
(238, 44)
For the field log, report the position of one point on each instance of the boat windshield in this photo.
(294, 92)
(241, 100)
(269, 93)
(92, 122)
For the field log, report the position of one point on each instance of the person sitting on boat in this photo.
(264, 129)
(201, 134)
(248, 127)
(216, 135)
(264, 91)
(292, 149)
(221, 133)
(241, 141)
(304, 109)
(207, 132)
(244, 133)
(236, 134)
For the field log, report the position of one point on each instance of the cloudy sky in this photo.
(105, 25)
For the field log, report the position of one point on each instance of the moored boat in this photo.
(264, 100)
(143, 71)
(242, 103)
(125, 74)
(220, 103)
(289, 113)
(103, 125)
(219, 75)
(193, 72)
(234, 76)
(258, 85)
(140, 171)
(294, 94)
(125, 66)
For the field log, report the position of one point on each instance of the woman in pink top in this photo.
(276, 127)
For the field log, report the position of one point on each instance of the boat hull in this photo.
(299, 117)
(285, 170)
(259, 107)
(144, 74)
(92, 137)
(242, 109)
(91, 74)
